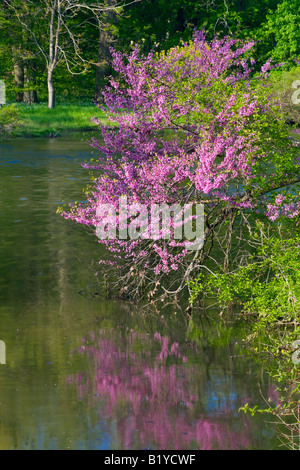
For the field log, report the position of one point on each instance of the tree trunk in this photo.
(105, 41)
(19, 78)
(30, 95)
(51, 93)
(102, 68)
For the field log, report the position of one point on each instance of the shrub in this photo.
(9, 119)
(194, 127)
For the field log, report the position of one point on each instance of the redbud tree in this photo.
(194, 125)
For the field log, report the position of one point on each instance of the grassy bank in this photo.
(39, 121)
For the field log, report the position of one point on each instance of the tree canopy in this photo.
(195, 126)
(86, 29)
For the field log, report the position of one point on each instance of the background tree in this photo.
(167, 22)
(88, 28)
(107, 37)
(282, 27)
(55, 27)
(17, 55)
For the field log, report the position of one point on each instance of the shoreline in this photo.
(38, 121)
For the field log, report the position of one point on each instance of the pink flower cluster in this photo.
(288, 209)
(186, 131)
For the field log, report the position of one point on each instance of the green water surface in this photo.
(87, 374)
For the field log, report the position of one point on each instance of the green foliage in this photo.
(272, 23)
(10, 119)
(285, 405)
(283, 26)
(253, 411)
(266, 288)
(166, 23)
(266, 285)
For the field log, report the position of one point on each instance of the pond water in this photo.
(88, 374)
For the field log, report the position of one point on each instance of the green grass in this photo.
(39, 121)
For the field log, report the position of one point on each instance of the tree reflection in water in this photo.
(155, 397)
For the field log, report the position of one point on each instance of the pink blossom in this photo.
(185, 131)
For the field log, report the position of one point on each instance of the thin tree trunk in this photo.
(102, 68)
(105, 41)
(18, 74)
(51, 93)
(53, 49)
(30, 95)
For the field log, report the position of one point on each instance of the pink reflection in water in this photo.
(155, 402)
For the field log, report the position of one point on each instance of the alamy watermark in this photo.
(296, 354)
(2, 93)
(158, 221)
(2, 353)
(296, 94)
